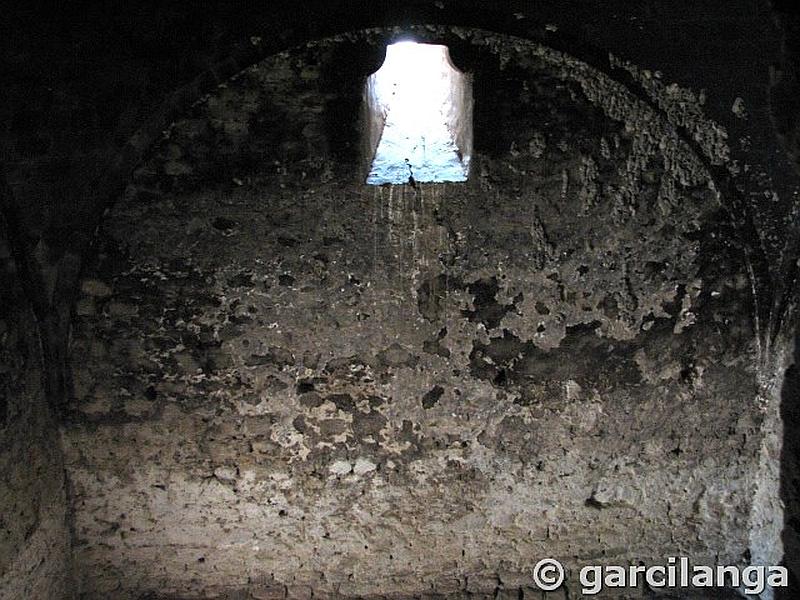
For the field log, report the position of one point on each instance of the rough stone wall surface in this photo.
(34, 538)
(288, 383)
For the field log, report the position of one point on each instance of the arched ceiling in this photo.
(91, 89)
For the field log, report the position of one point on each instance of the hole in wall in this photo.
(419, 117)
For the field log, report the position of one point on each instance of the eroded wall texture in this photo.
(34, 536)
(288, 383)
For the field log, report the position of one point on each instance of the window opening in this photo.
(419, 121)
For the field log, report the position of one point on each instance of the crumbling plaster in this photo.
(291, 382)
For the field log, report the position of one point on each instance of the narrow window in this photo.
(419, 117)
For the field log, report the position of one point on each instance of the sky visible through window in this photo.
(414, 88)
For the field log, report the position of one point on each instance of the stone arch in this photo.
(523, 366)
(578, 61)
(49, 265)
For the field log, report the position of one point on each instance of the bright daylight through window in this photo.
(420, 117)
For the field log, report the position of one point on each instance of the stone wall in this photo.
(288, 383)
(34, 536)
